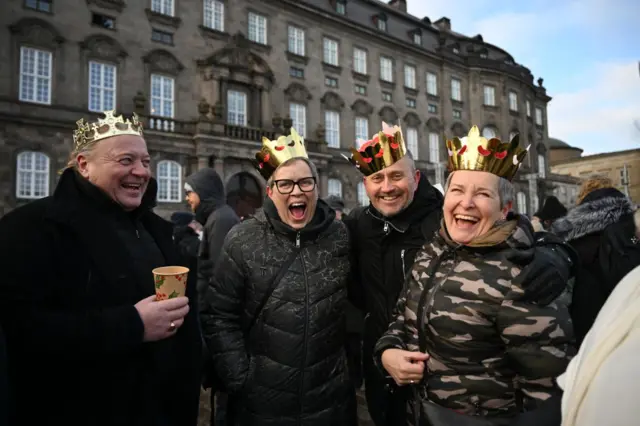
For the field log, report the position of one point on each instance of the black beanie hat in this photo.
(552, 209)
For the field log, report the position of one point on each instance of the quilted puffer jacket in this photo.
(291, 368)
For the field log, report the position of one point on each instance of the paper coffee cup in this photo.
(170, 282)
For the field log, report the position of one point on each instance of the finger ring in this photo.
(172, 326)
(411, 381)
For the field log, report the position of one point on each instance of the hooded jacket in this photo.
(290, 368)
(216, 217)
(603, 217)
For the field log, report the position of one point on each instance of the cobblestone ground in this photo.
(205, 409)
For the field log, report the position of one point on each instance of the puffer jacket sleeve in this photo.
(539, 343)
(221, 312)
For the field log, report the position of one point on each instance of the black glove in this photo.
(547, 268)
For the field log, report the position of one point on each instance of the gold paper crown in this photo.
(276, 152)
(474, 152)
(383, 150)
(88, 133)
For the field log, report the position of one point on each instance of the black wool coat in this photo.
(74, 338)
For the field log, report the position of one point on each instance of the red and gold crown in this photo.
(474, 152)
(110, 125)
(383, 150)
(276, 152)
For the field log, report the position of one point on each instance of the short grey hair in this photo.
(506, 191)
(85, 150)
(314, 169)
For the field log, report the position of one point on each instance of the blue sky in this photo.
(587, 51)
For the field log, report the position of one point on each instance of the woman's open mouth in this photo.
(465, 221)
(298, 210)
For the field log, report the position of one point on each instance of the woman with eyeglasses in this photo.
(273, 315)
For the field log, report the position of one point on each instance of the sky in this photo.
(587, 51)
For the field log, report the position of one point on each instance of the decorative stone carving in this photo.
(203, 108)
(276, 121)
(412, 119)
(321, 132)
(298, 92)
(162, 61)
(388, 115)
(434, 125)
(362, 107)
(459, 130)
(139, 102)
(37, 32)
(103, 46)
(332, 100)
(287, 123)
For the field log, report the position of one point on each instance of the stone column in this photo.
(203, 162)
(324, 183)
(218, 165)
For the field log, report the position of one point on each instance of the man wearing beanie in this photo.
(552, 210)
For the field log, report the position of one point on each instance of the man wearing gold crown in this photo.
(404, 213)
(273, 317)
(87, 342)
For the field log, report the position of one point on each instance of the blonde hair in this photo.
(591, 184)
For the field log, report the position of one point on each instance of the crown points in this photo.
(383, 150)
(276, 152)
(111, 125)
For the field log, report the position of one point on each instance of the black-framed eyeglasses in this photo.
(285, 186)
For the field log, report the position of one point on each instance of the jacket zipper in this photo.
(404, 271)
(306, 327)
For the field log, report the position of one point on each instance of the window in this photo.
(411, 103)
(528, 106)
(387, 97)
(296, 41)
(417, 39)
(457, 114)
(432, 84)
(410, 76)
(381, 22)
(341, 7)
(33, 175)
(332, 127)
(432, 108)
(298, 114)
(360, 61)
(162, 89)
(513, 101)
(489, 132)
(361, 90)
(521, 202)
(386, 69)
(161, 36)
(542, 166)
(489, 95)
(236, 108)
(169, 175)
(35, 75)
(363, 200)
(434, 148)
(257, 28)
(164, 7)
(103, 21)
(102, 86)
(412, 141)
(296, 72)
(362, 129)
(41, 5)
(334, 188)
(331, 82)
(330, 51)
(539, 116)
(214, 15)
(456, 90)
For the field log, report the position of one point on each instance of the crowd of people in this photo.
(449, 308)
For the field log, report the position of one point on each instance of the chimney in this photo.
(443, 23)
(401, 5)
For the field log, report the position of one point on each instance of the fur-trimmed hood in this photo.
(591, 217)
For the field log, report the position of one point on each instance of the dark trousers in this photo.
(387, 405)
(354, 358)
(220, 414)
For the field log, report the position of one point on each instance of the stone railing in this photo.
(169, 125)
(247, 133)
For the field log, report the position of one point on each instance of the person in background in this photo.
(185, 235)
(601, 230)
(551, 211)
(273, 316)
(87, 342)
(337, 204)
(205, 195)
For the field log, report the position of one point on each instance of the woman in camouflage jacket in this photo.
(463, 336)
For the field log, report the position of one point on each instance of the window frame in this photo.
(168, 179)
(211, 4)
(163, 100)
(35, 76)
(33, 172)
(330, 115)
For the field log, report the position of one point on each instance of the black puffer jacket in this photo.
(291, 368)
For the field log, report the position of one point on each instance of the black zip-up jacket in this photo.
(384, 251)
(291, 368)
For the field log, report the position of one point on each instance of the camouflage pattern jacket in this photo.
(485, 345)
